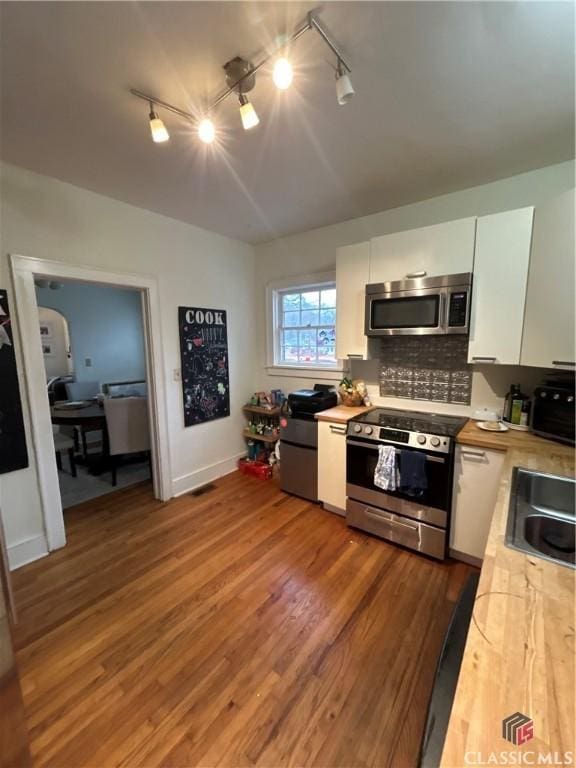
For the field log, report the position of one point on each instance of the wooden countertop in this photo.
(520, 650)
(471, 434)
(342, 414)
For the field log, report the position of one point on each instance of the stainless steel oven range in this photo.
(418, 522)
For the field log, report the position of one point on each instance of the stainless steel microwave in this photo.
(420, 306)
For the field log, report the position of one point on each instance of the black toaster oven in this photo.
(553, 413)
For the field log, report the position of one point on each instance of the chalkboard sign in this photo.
(204, 355)
(13, 453)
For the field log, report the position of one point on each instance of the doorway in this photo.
(92, 338)
(27, 270)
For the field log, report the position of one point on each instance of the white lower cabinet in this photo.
(332, 465)
(477, 473)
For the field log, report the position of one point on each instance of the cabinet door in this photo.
(477, 474)
(548, 340)
(499, 291)
(352, 265)
(442, 249)
(332, 464)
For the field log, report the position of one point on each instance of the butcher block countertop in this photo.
(342, 414)
(471, 434)
(520, 648)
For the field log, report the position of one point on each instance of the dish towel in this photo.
(386, 472)
(413, 478)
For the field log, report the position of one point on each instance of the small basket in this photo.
(351, 400)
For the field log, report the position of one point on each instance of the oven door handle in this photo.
(435, 459)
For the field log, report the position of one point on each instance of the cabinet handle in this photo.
(355, 357)
(475, 454)
(485, 359)
(337, 430)
(421, 273)
(562, 362)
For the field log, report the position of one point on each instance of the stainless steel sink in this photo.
(541, 519)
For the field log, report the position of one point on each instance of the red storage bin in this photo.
(255, 468)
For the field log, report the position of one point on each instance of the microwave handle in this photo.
(444, 304)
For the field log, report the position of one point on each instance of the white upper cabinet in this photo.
(442, 249)
(548, 340)
(352, 270)
(499, 288)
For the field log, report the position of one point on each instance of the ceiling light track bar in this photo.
(163, 104)
(315, 24)
(310, 23)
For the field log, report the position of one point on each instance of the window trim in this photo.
(273, 289)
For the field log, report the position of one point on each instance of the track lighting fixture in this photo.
(282, 74)
(157, 127)
(206, 131)
(248, 114)
(241, 78)
(344, 89)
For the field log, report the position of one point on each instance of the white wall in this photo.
(315, 251)
(105, 325)
(57, 362)
(45, 218)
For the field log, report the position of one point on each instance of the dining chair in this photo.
(83, 390)
(128, 428)
(64, 443)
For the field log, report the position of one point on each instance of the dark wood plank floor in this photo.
(241, 627)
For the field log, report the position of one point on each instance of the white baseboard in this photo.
(334, 510)
(26, 551)
(469, 559)
(187, 483)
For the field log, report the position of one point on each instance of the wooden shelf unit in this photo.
(275, 411)
(261, 438)
(260, 413)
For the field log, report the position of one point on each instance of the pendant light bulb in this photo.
(282, 74)
(206, 131)
(344, 87)
(248, 113)
(157, 128)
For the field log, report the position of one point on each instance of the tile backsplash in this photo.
(426, 368)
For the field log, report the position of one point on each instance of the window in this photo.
(305, 332)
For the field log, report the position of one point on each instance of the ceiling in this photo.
(448, 95)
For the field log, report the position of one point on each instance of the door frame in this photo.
(24, 269)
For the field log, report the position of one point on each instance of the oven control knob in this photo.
(421, 439)
(368, 430)
(556, 396)
(570, 399)
(435, 441)
(542, 394)
(357, 428)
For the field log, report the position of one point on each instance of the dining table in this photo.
(90, 416)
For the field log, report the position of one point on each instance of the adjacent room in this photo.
(93, 350)
(287, 384)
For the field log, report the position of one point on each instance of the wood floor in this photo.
(241, 627)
